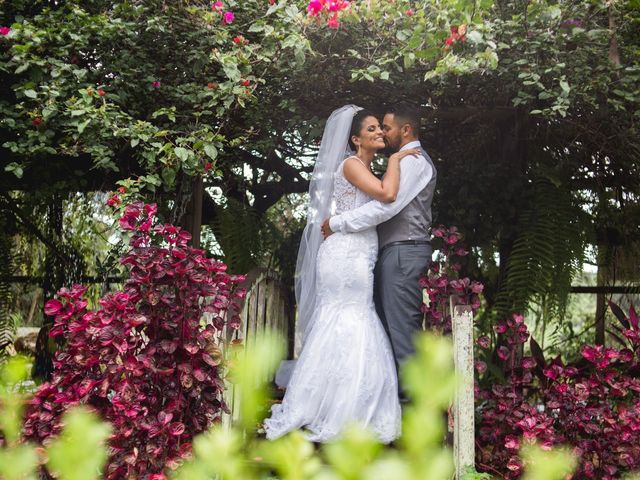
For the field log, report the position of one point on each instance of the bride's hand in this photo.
(403, 153)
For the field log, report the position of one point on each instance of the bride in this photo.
(345, 372)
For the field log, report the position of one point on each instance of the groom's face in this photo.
(392, 133)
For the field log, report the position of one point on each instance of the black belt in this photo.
(405, 242)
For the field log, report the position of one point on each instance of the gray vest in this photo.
(414, 220)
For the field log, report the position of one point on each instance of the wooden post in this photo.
(193, 220)
(463, 409)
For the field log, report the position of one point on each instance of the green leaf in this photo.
(83, 125)
(30, 93)
(16, 168)
(211, 151)
(169, 176)
(181, 153)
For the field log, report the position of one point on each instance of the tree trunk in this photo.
(614, 52)
(602, 280)
(54, 278)
(193, 219)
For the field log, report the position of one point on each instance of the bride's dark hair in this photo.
(356, 125)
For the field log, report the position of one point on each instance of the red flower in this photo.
(332, 22)
(122, 190)
(212, 85)
(113, 201)
(101, 92)
(208, 166)
(37, 121)
(239, 40)
(272, 2)
(449, 41)
(314, 7)
(409, 13)
(4, 31)
(246, 83)
(155, 84)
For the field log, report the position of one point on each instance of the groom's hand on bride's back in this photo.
(326, 229)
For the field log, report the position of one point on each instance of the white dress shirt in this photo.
(415, 173)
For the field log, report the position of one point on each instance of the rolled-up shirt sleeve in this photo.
(415, 173)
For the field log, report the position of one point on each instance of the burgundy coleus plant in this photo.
(443, 280)
(144, 360)
(592, 405)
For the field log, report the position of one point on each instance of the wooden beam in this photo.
(464, 402)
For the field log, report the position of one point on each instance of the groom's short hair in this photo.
(406, 113)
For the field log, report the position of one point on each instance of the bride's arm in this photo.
(385, 190)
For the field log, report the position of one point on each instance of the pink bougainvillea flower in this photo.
(217, 6)
(155, 84)
(315, 7)
(337, 5)
(228, 17)
(449, 41)
(500, 328)
(4, 31)
(332, 22)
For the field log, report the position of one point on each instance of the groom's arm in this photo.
(415, 173)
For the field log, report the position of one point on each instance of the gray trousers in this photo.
(398, 297)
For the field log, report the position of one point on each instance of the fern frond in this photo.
(547, 253)
(7, 326)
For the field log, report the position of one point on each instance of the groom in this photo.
(403, 235)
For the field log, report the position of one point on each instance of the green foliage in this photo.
(547, 253)
(79, 452)
(543, 464)
(232, 453)
(7, 324)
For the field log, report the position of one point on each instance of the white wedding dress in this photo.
(345, 372)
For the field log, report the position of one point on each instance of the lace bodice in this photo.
(346, 195)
